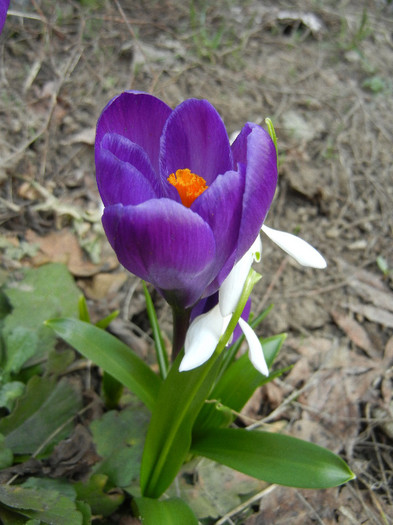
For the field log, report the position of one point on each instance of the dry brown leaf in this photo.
(356, 333)
(62, 247)
(104, 285)
(285, 506)
(379, 298)
(86, 136)
(28, 192)
(388, 355)
(299, 374)
(376, 315)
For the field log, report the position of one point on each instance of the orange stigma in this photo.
(189, 185)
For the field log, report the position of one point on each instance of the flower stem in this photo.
(181, 319)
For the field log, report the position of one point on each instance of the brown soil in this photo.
(323, 72)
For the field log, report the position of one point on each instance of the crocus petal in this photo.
(137, 116)
(300, 250)
(202, 338)
(195, 138)
(255, 148)
(231, 289)
(255, 348)
(165, 243)
(121, 183)
(220, 207)
(4, 4)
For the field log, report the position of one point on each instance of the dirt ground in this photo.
(322, 70)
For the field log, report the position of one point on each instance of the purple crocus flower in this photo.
(4, 4)
(182, 205)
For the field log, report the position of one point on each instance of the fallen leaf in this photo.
(356, 333)
(62, 247)
(87, 136)
(379, 298)
(104, 285)
(376, 315)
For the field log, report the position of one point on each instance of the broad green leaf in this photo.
(62, 486)
(48, 291)
(6, 455)
(9, 393)
(167, 512)
(85, 510)
(113, 356)
(246, 378)
(43, 413)
(119, 438)
(275, 458)
(48, 506)
(93, 493)
(11, 517)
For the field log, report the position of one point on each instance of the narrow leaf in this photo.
(113, 356)
(169, 435)
(162, 357)
(168, 512)
(274, 458)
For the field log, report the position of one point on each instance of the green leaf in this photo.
(112, 390)
(93, 493)
(167, 512)
(61, 486)
(9, 393)
(83, 310)
(274, 458)
(48, 506)
(246, 378)
(162, 357)
(119, 438)
(169, 435)
(48, 291)
(180, 399)
(6, 455)
(42, 416)
(113, 356)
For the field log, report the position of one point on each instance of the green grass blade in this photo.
(162, 356)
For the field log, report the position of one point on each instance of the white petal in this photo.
(202, 338)
(296, 247)
(231, 289)
(255, 348)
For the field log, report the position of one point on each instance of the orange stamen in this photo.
(189, 185)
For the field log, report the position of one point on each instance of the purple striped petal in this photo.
(137, 116)
(121, 183)
(195, 138)
(165, 243)
(255, 149)
(221, 206)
